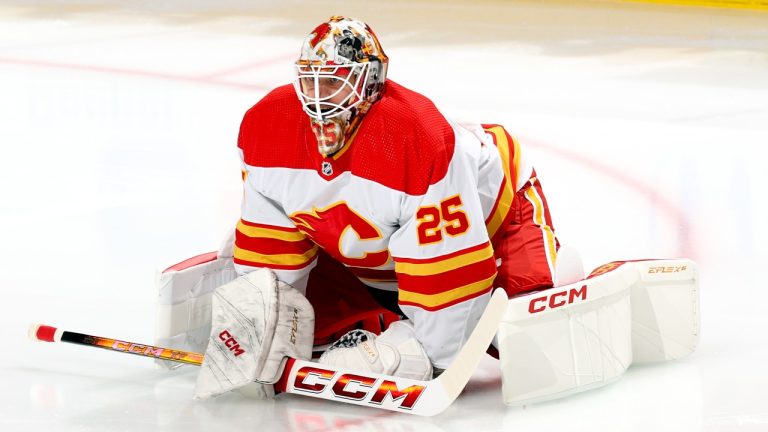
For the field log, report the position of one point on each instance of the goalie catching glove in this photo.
(257, 322)
(395, 352)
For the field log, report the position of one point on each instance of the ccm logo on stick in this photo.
(355, 387)
(231, 343)
(562, 298)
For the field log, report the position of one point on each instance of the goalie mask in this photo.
(340, 74)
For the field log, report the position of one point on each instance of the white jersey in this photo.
(413, 204)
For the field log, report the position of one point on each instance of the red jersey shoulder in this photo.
(273, 132)
(404, 142)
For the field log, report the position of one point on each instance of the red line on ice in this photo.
(675, 213)
(133, 72)
(258, 64)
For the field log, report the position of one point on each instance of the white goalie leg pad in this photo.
(665, 310)
(183, 311)
(395, 352)
(257, 321)
(568, 339)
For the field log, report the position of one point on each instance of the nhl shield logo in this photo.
(327, 168)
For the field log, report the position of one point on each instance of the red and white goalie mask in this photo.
(340, 74)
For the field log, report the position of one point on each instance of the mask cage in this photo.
(318, 85)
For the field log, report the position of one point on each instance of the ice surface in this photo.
(117, 130)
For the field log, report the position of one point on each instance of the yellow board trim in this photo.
(433, 268)
(728, 4)
(258, 232)
(279, 259)
(436, 300)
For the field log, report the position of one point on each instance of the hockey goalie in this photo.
(373, 232)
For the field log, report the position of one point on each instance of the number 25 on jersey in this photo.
(446, 218)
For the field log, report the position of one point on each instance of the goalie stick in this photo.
(424, 398)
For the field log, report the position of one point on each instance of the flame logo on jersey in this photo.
(329, 226)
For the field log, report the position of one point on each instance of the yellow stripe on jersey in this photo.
(504, 202)
(278, 259)
(440, 299)
(538, 218)
(501, 210)
(516, 161)
(442, 266)
(502, 143)
(254, 231)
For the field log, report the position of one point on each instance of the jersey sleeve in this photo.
(515, 171)
(444, 260)
(266, 238)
